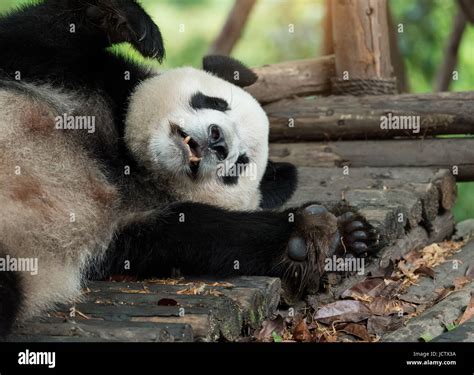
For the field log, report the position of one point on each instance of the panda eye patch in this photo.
(201, 101)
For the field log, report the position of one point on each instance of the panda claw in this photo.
(354, 226)
(358, 235)
(347, 216)
(359, 247)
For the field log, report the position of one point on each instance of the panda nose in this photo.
(216, 142)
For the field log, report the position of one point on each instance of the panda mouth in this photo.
(192, 149)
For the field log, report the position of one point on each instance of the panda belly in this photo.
(56, 206)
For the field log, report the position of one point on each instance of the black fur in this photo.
(201, 239)
(278, 184)
(243, 160)
(229, 69)
(11, 297)
(201, 101)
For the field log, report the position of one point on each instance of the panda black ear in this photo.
(229, 69)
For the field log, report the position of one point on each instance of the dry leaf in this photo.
(301, 332)
(385, 306)
(365, 289)
(442, 294)
(344, 311)
(469, 312)
(135, 291)
(168, 281)
(194, 290)
(470, 271)
(221, 284)
(425, 270)
(460, 282)
(379, 325)
(357, 330)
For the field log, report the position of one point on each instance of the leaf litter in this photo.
(372, 307)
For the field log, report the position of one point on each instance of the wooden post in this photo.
(445, 73)
(233, 27)
(397, 58)
(361, 41)
(327, 45)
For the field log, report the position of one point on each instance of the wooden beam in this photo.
(348, 117)
(445, 73)
(455, 155)
(233, 28)
(293, 78)
(361, 41)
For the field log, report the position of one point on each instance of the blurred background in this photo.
(190, 26)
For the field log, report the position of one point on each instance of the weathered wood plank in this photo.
(293, 78)
(348, 117)
(418, 193)
(455, 155)
(98, 330)
(157, 310)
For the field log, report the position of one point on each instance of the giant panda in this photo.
(107, 167)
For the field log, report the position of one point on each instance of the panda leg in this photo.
(11, 297)
(201, 239)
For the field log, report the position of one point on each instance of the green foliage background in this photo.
(426, 25)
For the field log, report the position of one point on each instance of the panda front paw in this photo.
(312, 240)
(318, 235)
(357, 236)
(126, 21)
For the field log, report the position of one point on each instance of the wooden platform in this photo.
(159, 311)
(410, 206)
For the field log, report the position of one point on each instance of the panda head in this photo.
(200, 130)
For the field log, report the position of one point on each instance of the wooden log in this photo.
(336, 118)
(455, 155)
(233, 28)
(364, 51)
(445, 74)
(293, 78)
(434, 189)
